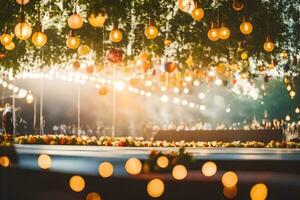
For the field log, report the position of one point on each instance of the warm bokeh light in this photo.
(83, 50)
(269, 45)
(97, 20)
(77, 183)
(93, 196)
(4, 161)
(116, 35)
(229, 179)
(230, 193)
(246, 27)
(151, 31)
(75, 21)
(213, 34)
(224, 33)
(155, 188)
(44, 161)
(201, 95)
(162, 162)
(244, 55)
(259, 192)
(22, 2)
(73, 42)
(10, 46)
(133, 166)
(106, 169)
(39, 39)
(164, 98)
(209, 168)
(197, 14)
(23, 30)
(297, 110)
(29, 98)
(179, 172)
(5, 39)
(287, 118)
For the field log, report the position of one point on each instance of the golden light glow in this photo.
(44, 161)
(246, 27)
(106, 169)
(116, 35)
(93, 196)
(238, 5)
(269, 45)
(155, 188)
(23, 30)
(73, 42)
(259, 192)
(83, 50)
(22, 2)
(133, 166)
(244, 55)
(162, 162)
(103, 91)
(224, 33)
(29, 98)
(77, 183)
(151, 31)
(10, 46)
(292, 93)
(230, 193)
(97, 20)
(4, 161)
(209, 168)
(197, 14)
(75, 21)
(167, 42)
(297, 110)
(39, 39)
(213, 34)
(6, 39)
(179, 172)
(229, 179)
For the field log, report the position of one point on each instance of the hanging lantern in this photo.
(151, 31)
(213, 33)
(224, 32)
(115, 56)
(246, 27)
(97, 20)
(73, 41)
(5, 39)
(10, 46)
(23, 30)
(269, 45)
(83, 50)
(39, 39)
(197, 13)
(75, 21)
(244, 55)
(29, 97)
(22, 2)
(116, 35)
(89, 69)
(238, 5)
(103, 91)
(186, 5)
(76, 65)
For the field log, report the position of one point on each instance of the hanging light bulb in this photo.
(83, 50)
(10, 46)
(238, 5)
(197, 13)
(73, 41)
(29, 98)
(269, 45)
(224, 32)
(75, 21)
(39, 38)
(116, 35)
(23, 29)
(213, 33)
(246, 27)
(22, 2)
(151, 31)
(5, 38)
(97, 20)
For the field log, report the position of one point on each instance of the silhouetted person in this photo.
(7, 120)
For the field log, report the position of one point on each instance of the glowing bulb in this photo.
(288, 118)
(289, 88)
(75, 21)
(39, 39)
(133, 166)
(23, 30)
(244, 55)
(197, 14)
(259, 192)
(44, 161)
(202, 107)
(22, 2)
(224, 33)
(105, 169)
(73, 42)
(209, 168)
(116, 35)
(164, 98)
(151, 31)
(201, 95)
(297, 110)
(292, 93)
(230, 193)
(268, 45)
(97, 20)
(5, 39)
(77, 183)
(83, 50)
(93, 196)
(213, 34)
(10, 46)
(229, 179)
(155, 188)
(162, 162)
(246, 27)
(179, 172)
(4, 161)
